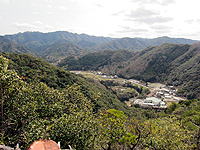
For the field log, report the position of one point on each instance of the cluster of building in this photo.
(158, 98)
(105, 76)
(152, 102)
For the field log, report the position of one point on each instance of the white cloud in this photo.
(34, 4)
(36, 26)
(118, 13)
(167, 2)
(73, 0)
(24, 26)
(63, 7)
(49, 12)
(49, 6)
(35, 13)
(141, 12)
(48, 27)
(161, 29)
(161, 2)
(99, 5)
(50, 1)
(152, 20)
(38, 22)
(126, 29)
(5, 1)
(141, 15)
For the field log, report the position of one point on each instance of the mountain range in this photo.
(55, 46)
(174, 61)
(38, 41)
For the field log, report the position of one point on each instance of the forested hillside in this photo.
(58, 52)
(131, 44)
(30, 68)
(10, 47)
(38, 41)
(35, 40)
(42, 101)
(96, 61)
(173, 64)
(32, 110)
(135, 44)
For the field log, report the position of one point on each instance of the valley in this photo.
(166, 94)
(129, 93)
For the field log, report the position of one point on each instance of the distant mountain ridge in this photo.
(38, 40)
(35, 40)
(135, 44)
(52, 46)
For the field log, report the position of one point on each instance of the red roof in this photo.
(44, 145)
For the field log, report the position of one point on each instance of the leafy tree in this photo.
(167, 133)
(10, 85)
(112, 128)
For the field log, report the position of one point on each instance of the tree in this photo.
(112, 128)
(167, 133)
(10, 85)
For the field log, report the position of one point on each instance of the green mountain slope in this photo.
(154, 63)
(38, 41)
(96, 61)
(10, 47)
(30, 68)
(131, 44)
(57, 52)
(3, 39)
(187, 72)
(165, 39)
(35, 40)
(134, 44)
(173, 64)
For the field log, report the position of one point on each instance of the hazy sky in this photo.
(113, 18)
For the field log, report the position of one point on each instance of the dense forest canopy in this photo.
(32, 110)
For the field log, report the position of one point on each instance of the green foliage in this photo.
(33, 111)
(173, 64)
(95, 61)
(9, 47)
(171, 108)
(167, 133)
(31, 68)
(55, 53)
(112, 128)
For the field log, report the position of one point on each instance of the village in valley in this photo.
(160, 96)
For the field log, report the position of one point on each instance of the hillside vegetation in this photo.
(55, 53)
(30, 68)
(10, 47)
(95, 61)
(31, 110)
(35, 40)
(173, 64)
(135, 44)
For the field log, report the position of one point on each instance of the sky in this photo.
(108, 18)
